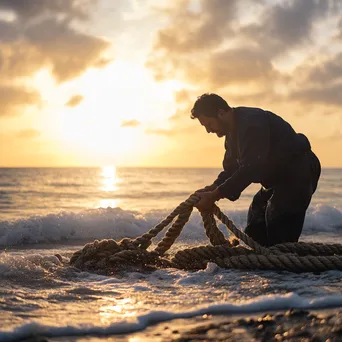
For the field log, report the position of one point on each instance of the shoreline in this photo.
(280, 325)
(290, 325)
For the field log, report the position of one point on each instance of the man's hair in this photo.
(208, 104)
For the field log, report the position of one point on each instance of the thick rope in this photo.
(109, 256)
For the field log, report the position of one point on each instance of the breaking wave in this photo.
(116, 223)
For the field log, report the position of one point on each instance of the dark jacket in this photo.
(258, 151)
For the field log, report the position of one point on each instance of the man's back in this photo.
(267, 142)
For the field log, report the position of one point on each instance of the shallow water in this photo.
(40, 295)
(36, 289)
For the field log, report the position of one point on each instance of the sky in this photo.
(93, 83)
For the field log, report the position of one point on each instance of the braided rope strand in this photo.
(109, 257)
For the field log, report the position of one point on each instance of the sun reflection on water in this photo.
(109, 184)
(108, 203)
(109, 178)
(121, 309)
(138, 339)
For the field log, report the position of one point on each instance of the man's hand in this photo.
(207, 200)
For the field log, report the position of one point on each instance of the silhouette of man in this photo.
(262, 148)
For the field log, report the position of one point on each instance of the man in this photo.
(260, 148)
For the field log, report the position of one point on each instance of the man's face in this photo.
(213, 125)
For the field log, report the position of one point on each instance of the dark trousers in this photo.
(276, 215)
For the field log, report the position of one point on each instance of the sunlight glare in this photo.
(109, 178)
(123, 308)
(137, 339)
(94, 130)
(108, 203)
(109, 183)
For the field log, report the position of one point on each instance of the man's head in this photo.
(214, 113)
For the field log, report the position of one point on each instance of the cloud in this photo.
(319, 81)
(13, 98)
(74, 101)
(286, 25)
(330, 94)
(68, 51)
(189, 33)
(326, 71)
(26, 10)
(190, 30)
(160, 131)
(8, 32)
(18, 59)
(222, 48)
(202, 51)
(339, 35)
(234, 66)
(29, 133)
(278, 28)
(183, 96)
(130, 123)
(335, 136)
(172, 131)
(184, 99)
(43, 34)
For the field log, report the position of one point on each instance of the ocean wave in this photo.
(5, 202)
(84, 226)
(49, 194)
(323, 218)
(28, 267)
(139, 323)
(117, 223)
(5, 185)
(66, 185)
(136, 194)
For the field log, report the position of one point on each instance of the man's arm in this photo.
(224, 175)
(253, 144)
(211, 194)
(211, 187)
(230, 166)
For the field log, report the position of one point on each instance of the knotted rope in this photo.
(109, 256)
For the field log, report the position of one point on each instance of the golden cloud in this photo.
(13, 98)
(67, 51)
(29, 133)
(130, 123)
(212, 47)
(40, 35)
(27, 10)
(74, 101)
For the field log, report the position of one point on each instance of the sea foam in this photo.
(259, 304)
(117, 223)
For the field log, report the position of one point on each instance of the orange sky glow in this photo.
(94, 83)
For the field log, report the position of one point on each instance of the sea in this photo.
(45, 211)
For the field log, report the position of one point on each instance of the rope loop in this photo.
(109, 256)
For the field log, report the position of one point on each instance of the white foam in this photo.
(118, 223)
(189, 279)
(24, 267)
(260, 304)
(323, 218)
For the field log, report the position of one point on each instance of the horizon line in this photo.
(129, 166)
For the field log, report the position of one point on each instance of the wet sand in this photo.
(292, 325)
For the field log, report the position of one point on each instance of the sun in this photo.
(120, 92)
